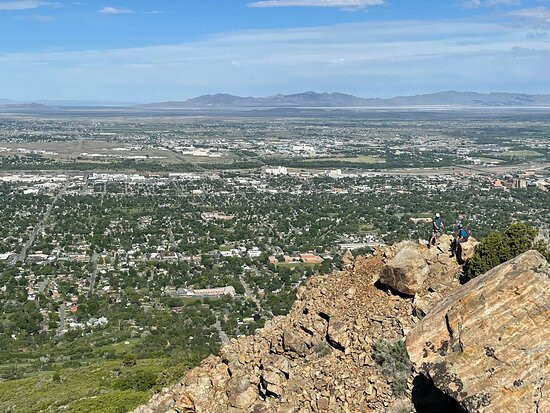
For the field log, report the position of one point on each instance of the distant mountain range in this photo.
(339, 100)
(22, 106)
(303, 100)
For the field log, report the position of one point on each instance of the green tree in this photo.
(499, 247)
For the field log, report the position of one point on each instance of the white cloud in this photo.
(114, 10)
(539, 15)
(23, 4)
(475, 4)
(383, 58)
(342, 4)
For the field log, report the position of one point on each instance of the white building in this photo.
(280, 170)
(254, 252)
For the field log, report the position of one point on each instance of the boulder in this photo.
(467, 249)
(337, 333)
(407, 271)
(272, 383)
(487, 345)
(294, 343)
(348, 258)
(241, 393)
(185, 404)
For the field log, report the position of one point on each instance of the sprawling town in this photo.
(163, 239)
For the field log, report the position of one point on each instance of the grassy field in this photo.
(294, 265)
(208, 159)
(522, 154)
(122, 347)
(357, 159)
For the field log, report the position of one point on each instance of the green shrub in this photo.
(499, 247)
(71, 364)
(129, 360)
(322, 349)
(56, 378)
(115, 402)
(171, 375)
(395, 363)
(139, 380)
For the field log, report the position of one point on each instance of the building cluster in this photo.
(522, 181)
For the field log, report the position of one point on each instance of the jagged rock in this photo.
(337, 334)
(413, 268)
(407, 271)
(348, 258)
(293, 342)
(241, 393)
(272, 384)
(468, 248)
(488, 344)
(272, 362)
(185, 405)
(323, 404)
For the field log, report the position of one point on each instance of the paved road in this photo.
(223, 337)
(93, 275)
(61, 320)
(22, 256)
(249, 293)
(42, 285)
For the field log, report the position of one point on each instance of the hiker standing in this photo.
(437, 230)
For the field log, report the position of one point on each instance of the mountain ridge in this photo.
(308, 100)
(337, 99)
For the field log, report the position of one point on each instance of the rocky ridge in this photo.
(488, 344)
(321, 356)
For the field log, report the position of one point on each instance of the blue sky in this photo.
(145, 50)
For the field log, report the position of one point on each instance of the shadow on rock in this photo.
(429, 399)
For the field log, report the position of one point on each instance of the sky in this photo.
(157, 50)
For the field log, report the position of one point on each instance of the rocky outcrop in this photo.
(318, 358)
(467, 250)
(488, 344)
(407, 271)
(413, 268)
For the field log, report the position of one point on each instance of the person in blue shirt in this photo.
(462, 236)
(463, 233)
(437, 230)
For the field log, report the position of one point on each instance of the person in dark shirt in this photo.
(437, 230)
